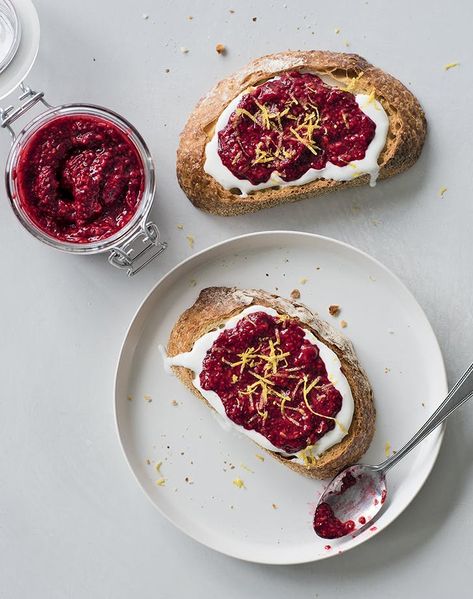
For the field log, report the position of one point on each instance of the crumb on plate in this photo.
(343, 324)
(295, 294)
(239, 483)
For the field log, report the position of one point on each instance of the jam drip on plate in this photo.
(80, 178)
(271, 379)
(291, 124)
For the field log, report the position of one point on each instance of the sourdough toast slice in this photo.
(215, 305)
(405, 138)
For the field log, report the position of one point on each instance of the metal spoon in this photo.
(354, 497)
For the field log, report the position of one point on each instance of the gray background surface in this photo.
(73, 523)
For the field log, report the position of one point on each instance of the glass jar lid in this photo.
(19, 42)
(10, 33)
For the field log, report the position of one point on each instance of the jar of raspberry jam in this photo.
(79, 177)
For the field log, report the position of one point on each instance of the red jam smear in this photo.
(80, 178)
(272, 380)
(290, 125)
(326, 524)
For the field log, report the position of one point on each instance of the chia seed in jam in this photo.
(271, 379)
(291, 124)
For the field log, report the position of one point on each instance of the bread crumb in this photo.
(303, 281)
(193, 282)
(148, 461)
(167, 70)
(343, 324)
(220, 49)
(174, 403)
(387, 370)
(387, 449)
(451, 65)
(423, 404)
(232, 12)
(145, 17)
(148, 398)
(337, 30)
(246, 468)
(130, 398)
(334, 310)
(260, 457)
(158, 467)
(190, 18)
(274, 506)
(442, 191)
(295, 294)
(239, 483)
(254, 19)
(190, 240)
(161, 482)
(184, 50)
(180, 227)
(347, 43)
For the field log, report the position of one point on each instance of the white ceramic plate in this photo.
(200, 460)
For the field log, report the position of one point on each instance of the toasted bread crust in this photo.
(407, 129)
(215, 305)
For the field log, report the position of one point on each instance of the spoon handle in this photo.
(461, 392)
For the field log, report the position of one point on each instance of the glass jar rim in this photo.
(147, 195)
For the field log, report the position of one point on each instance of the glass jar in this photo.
(132, 246)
